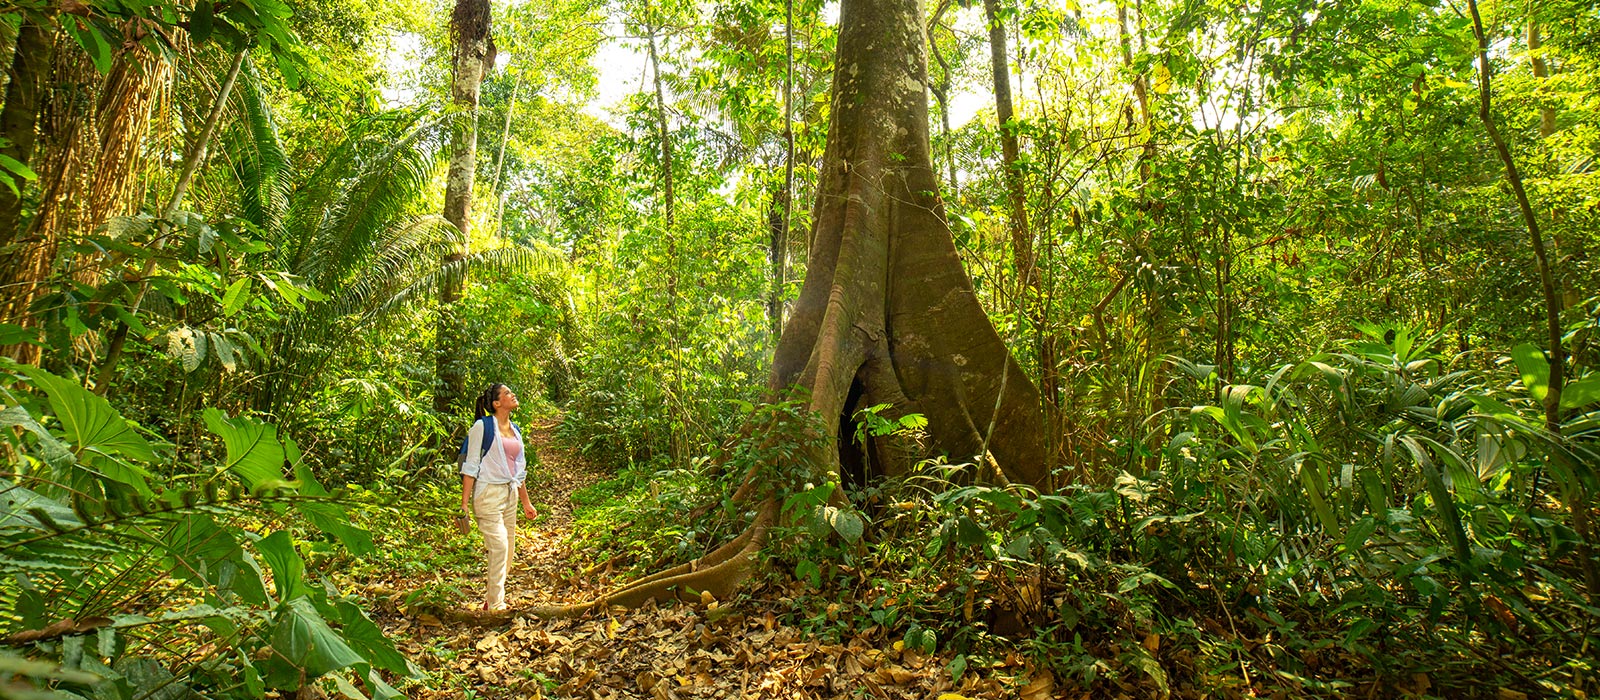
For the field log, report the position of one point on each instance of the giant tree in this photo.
(887, 315)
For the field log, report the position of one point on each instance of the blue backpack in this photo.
(489, 433)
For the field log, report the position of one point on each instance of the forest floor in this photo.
(740, 649)
(780, 638)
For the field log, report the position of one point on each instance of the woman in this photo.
(492, 475)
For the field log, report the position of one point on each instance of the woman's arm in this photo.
(527, 505)
(467, 483)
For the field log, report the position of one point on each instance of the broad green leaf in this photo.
(844, 522)
(348, 689)
(327, 517)
(237, 295)
(16, 166)
(50, 449)
(1535, 369)
(203, 552)
(1581, 393)
(288, 569)
(93, 43)
(13, 334)
(969, 532)
(224, 351)
(808, 570)
(1140, 579)
(93, 426)
(363, 635)
(254, 453)
(19, 505)
(304, 646)
(380, 689)
(200, 22)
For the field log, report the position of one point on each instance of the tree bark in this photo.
(887, 314)
(29, 69)
(1573, 493)
(473, 57)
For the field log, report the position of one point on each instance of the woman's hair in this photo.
(484, 405)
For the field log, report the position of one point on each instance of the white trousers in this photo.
(495, 507)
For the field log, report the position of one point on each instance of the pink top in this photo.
(512, 447)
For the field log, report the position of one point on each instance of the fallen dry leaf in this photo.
(1041, 687)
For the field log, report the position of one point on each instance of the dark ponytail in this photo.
(484, 405)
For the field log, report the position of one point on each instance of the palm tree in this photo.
(353, 229)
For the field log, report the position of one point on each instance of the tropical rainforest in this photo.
(867, 349)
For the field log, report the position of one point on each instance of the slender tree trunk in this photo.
(1547, 113)
(29, 70)
(191, 165)
(500, 162)
(668, 204)
(1022, 251)
(777, 259)
(473, 57)
(1021, 239)
(1573, 493)
(780, 224)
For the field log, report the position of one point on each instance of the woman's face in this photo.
(507, 400)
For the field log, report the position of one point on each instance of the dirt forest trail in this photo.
(716, 649)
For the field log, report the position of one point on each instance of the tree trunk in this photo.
(1547, 114)
(887, 314)
(19, 122)
(668, 203)
(777, 258)
(29, 70)
(473, 56)
(1021, 239)
(1573, 490)
(500, 162)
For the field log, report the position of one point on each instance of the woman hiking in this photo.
(493, 469)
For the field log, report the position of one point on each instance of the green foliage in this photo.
(136, 563)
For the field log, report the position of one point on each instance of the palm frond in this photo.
(261, 165)
(537, 259)
(404, 251)
(315, 202)
(378, 192)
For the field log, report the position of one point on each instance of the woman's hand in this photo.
(529, 511)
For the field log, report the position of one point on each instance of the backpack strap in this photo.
(489, 434)
(488, 439)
